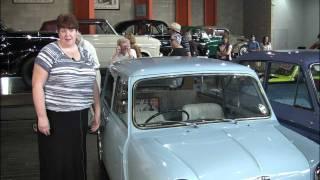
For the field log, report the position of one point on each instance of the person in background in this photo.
(174, 30)
(316, 45)
(81, 42)
(266, 44)
(177, 49)
(133, 44)
(64, 86)
(192, 43)
(224, 49)
(253, 45)
(123, 51)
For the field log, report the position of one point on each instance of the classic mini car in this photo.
(154, 28)
(18, 49)
(187, 118)
(291, 80)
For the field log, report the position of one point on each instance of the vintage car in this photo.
(291, 79)
(209, 38)
(183, 118)
(18, 49)
(142, 27)
(104, 38)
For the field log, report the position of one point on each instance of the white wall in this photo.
(295, 23)
(230, 15)
(164, 10)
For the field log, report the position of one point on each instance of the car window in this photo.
(258, 66)
(130, 29)
(97, 28)
(210, 98)
(287, 85)
(120, 103)
(159, 29)
(315, 75)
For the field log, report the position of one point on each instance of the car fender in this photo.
(309, 148)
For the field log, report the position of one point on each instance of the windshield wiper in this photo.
(168, 122)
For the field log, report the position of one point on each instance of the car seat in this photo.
(203, 111)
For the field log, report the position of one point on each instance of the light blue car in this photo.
(183, 118)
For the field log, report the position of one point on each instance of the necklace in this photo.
(71, 52)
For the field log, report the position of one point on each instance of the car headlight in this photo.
(317, 173)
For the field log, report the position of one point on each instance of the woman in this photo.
(177, 49)
(224, 49)
(266, 44)
(123, 51)
(133, 44)
(63, 89)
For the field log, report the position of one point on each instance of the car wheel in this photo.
(27, 70)
(243, 50)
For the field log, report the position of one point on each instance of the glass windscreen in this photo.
(175, 101)
(95, 28)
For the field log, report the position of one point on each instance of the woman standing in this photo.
(266, 44)
(224, 49)
(63, 89)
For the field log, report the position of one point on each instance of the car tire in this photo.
(27, 70)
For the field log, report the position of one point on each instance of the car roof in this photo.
(176, 65)
(301, 57)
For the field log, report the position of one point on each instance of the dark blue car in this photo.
(292, 82)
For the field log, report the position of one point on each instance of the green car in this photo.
(209, 38)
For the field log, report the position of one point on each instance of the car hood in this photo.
(233, 152)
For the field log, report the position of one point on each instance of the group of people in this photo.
(224, 50)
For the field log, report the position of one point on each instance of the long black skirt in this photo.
(63, 153)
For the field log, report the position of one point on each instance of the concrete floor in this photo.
(18, 142)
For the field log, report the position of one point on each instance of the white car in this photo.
(104, 38)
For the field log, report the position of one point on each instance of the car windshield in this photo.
(315, 72)
(95, 28)
(177, 101)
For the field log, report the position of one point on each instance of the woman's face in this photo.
(67, 36)
(125, 46)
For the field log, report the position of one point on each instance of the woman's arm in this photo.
(39, 78)
(96, 107)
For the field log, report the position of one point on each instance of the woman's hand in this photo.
(44, 126)
(95, 123)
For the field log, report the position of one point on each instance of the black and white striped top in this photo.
(70, 83)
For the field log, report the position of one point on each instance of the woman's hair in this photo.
(264, 40)
(132, 40)
(67, 21)
(122, 40)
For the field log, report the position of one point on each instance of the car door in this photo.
(115, 125)
(290, 97)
